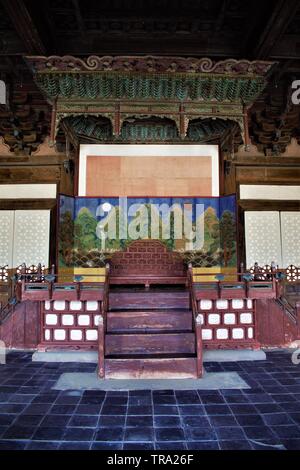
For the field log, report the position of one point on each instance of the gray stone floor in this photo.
(264, 416)
(209, 381)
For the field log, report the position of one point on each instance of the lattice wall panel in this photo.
(72, 323)
(290, 233)
(263, 240)
(31, 237)
(228, 323)
(6, 238)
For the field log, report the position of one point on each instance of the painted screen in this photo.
(202, 229)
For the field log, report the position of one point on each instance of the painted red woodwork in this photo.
(274, 327)
(154, 368)
(121, 321)
(149, 343)
(62, 291)
(22, 329)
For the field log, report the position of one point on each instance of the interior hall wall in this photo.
(149, 176)
(152, 170)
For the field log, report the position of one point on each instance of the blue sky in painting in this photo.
(66, 203)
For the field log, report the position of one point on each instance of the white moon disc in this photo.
(106, 206)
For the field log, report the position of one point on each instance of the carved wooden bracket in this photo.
(47, 148)
(292, 149)
(5, 150)
(248, 151)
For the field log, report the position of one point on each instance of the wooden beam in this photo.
(24, 26)
(79, 18)
(268, 205)
(220, 17)
(48, 18)
(272, 32)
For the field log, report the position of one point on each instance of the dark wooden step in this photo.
(149, 320)
(149, 344)
(152, 368)
(148, 300)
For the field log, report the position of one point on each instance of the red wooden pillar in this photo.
(101, 339)
(199, 346)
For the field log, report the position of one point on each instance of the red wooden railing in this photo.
(196, 322)
(102, 325)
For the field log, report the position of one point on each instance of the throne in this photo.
(147, 262)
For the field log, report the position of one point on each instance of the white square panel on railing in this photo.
(205, 304)
(250, 332)
(51, 319)
(91, 335)
(59, 305)
(67, 320)
(75, 305)
(229, 319)
(237, 333)
(76, 335)
(246, 318)
(83, 320)
(222, 333)
(206, 334)
(92, 305)
(47, 335)
(59, 335)
(214, 319)
(222, 304)
(237, 303)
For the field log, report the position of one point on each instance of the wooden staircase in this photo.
(149, 334)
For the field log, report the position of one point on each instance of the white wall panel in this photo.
(263, 238)
(269, 191)
(6, 238)
(31, 237)
(28, 191)
(290, 233)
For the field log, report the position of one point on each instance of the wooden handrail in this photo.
(102, 325)
(196, 321)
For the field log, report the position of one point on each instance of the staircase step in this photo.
(152, 368)
(148, 300)
(149, 344)
(149, 320)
